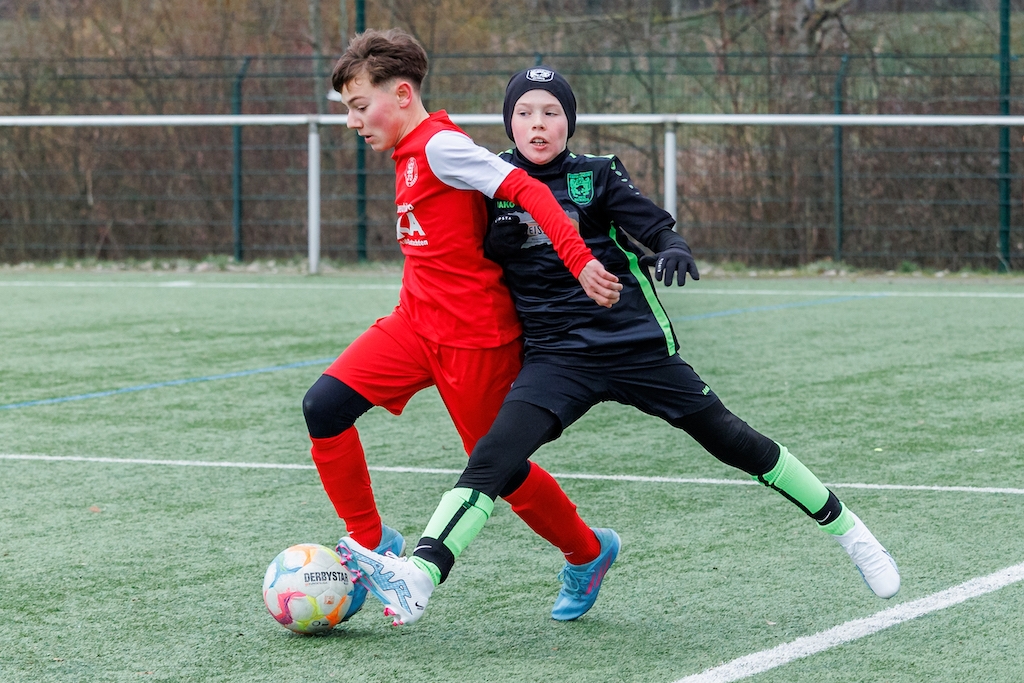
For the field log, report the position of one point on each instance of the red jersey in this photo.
(453, 294)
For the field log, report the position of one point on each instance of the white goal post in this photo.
(668, 121)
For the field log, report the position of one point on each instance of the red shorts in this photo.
(390, 362)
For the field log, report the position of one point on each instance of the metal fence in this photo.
(877, 196)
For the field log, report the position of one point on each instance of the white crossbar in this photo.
(313, 121)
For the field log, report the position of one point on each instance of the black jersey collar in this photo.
(553, 167)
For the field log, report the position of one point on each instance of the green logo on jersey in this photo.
(581, 187)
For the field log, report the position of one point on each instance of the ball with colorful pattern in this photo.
(308, 588)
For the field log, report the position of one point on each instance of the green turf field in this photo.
(116, 568)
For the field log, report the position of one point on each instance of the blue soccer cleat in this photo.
(391, 542)
(580, 583)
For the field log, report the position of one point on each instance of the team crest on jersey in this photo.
(412, 172)
(581, 187)
(540, 75)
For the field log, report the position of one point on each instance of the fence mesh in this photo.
(757, 195)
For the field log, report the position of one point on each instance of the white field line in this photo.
(186, 284)
(395, 286)
(433, 470)
(758, 662)
(843, 292)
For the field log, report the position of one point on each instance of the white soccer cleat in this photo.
(873, 562)
(391, 543)
(403, 587)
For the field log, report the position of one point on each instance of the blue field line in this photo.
(169, 383)
(324, 361)
(776, 307)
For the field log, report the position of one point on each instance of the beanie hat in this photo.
(539, 78)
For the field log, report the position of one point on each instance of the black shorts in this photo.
(669, 389)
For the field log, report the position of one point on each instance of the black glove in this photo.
(674, 261)
(506, 235)
(507, 220)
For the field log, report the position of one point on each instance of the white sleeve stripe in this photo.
(459, 162)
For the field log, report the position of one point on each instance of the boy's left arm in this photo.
(459, 162)
(651, 225)
(534, 196)
(671, 258)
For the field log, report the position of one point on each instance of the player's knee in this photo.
(489, 466)
(331, 406)
(499, 463)
(315, 407)
(758, 453)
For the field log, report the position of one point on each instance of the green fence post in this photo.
(837, 173)
(361, 222)
(1004, 136)
(236, 171)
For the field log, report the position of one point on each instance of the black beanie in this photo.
(539, 78)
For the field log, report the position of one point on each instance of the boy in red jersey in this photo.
(455, 326)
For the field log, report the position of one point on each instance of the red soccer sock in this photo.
(342, 466)
(543, 505)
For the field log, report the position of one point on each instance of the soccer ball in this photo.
(308, 588)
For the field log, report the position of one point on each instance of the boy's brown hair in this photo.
(384, 55)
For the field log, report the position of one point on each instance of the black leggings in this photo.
(331, 406)
(730, 439)
(499, 463)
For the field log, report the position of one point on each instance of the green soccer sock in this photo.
(843, 523)
(459, 517)
(429, 567)
(792, 479)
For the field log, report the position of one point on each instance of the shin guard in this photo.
(792, 479)
(458, 519)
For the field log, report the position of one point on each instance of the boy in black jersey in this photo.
(578, 354)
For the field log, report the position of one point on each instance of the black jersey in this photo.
(560, 322)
